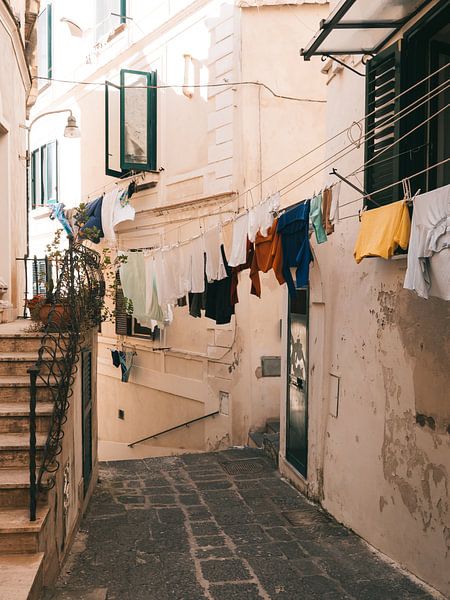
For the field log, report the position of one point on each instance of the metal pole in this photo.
(33, 372)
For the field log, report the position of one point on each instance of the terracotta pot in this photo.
(60, 316)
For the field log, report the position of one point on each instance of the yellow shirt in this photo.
(383, 230)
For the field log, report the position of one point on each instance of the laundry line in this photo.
(257, 185)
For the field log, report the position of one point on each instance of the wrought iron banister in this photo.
(186, 424)
(75, 308)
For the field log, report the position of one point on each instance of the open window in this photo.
(44, 175)
(130, 128)
(44, 46)
(411, 145)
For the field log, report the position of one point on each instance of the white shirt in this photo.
(239, 244)
(428, 271)
(215, 269)
(116, 208)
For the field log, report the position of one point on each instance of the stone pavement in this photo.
(221, 526)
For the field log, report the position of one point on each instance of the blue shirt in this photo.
(94, 219)
(293, 227)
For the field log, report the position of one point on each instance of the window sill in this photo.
(40, 212)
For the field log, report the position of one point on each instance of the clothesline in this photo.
(332, 138)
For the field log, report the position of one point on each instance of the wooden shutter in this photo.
(86, 403)
(123, 320)
(382, 104)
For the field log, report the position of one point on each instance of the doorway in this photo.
(297, 382)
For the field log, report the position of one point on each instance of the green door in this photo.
(297, 382)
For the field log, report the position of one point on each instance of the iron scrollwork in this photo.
(76, 308)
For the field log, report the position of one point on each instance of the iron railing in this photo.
(74, 309)
(186, 424)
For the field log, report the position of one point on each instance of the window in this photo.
(130, 128)
(126, 324)
(109, 14)
(44, 175)
(424, 50)
(45, 45)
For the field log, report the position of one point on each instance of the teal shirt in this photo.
(315, 215)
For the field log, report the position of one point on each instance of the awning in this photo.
(361, 26)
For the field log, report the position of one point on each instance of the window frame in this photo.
(39, 165)
(152, 125)
(150, 165)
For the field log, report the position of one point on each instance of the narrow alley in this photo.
(222, 526)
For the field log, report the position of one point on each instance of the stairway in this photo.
(268, 439)
(21, 541)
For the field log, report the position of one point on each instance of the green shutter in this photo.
(382, 104)
(112, 130)
(122, 318)
(35, 195)
(138, 120)
(51, 195)
(49, 41)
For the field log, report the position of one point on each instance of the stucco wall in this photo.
(382, 465)
(14, 85)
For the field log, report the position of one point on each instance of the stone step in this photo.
(19, 535)
(15, 449)
(15, 488)
(20, 342)
(256, 439)
(16, 388)
(18, 363)
(273, 426)
(15, 417)
(21, 576)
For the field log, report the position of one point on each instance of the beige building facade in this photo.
(215, 140)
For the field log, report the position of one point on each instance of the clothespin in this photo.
(406, 190)
(360, 212)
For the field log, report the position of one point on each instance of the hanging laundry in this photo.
(57, 212)
(293, 228)
(116, 208)
(428, 270)
(218, 297)
(261, 217)
(383, 230)
(239, 245)
(268, 215)
(227, 234)
(326, 208)
(256, 286)
(125, 361)
(153, 308)
(166, 285)
(315, 215)
(215, 269)
(115, 358)
(93, 213)
(197, 301)
(133, 281)
(268, 255)
(334, 208)
(192, 266)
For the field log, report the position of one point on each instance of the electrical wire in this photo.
(229, 84)
(318, 147)
(350, 148)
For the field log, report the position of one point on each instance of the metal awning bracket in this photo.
(342, 63)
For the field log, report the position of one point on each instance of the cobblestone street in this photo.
(221, 526)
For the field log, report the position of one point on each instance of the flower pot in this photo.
(60, 316)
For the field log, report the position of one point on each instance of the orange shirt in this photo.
(268, 255)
